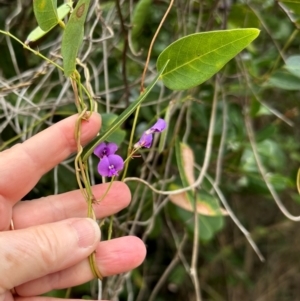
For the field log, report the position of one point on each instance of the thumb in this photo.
(34, 252)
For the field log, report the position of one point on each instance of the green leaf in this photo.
(266, 132)
(205, 204)
(119, 135)
(139, 17)
(241, 15)
(117, 122)
(185, 170)
(197, 57)
(270, 153)
(292, 9)
(283, 79)
(37, 33)
(208, 225)
(293, 65)
(279, 182)
(73, 36)
(45, 12)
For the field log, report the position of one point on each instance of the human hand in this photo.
(52, 239)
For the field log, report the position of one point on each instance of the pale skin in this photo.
(52, 240)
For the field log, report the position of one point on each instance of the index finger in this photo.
(24, 164)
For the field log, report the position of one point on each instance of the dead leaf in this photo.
(203, 208)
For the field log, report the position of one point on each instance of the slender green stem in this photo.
(61, 24)
(298, 180)
(152, 43)
(68, 293)
(76, 77)
(30, 49)
(111, 219)
(285, 47)
(106, 191)
(78, 160)
(129, 152)
(81, 168)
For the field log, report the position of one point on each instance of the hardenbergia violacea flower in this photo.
(104, 149)
(110, 164)
(157, 127)
(147, 137)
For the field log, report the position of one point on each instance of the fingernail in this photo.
(87, 231)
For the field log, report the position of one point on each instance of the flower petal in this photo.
(116, 161)
(113, 147)
(145, 141)
(110, 165)
(158, 127)
(103, 149)
(98, 151)
(103, 167)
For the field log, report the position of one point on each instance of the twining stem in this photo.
(195, 254)
(130, 142)
(91, 102)
(142, 86)
(124, 51)
(110, 227)
(152, 43)
(81, 168)
(30, 49)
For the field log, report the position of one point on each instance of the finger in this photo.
(71, 204)
(34, 252)
(113, 257)
(24, 164)
(5, 214)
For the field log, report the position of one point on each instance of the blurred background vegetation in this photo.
(255, 141)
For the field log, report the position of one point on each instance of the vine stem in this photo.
(142, 84)
(263, 172)
(152, 43)
(81, 168)
(130, 142)
(298, 180)
(30, 49)
(195, 253)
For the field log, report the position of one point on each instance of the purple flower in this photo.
(103, 149)
(110, 165)
(147, 137)
(158, 127)
(145, 141)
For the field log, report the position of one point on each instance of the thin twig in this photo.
(124, 52)
(152, 43)
(233, 217)
(195, 252)
(263, 172)
(168, 270)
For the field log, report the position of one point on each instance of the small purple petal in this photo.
(158, 127)
(112, 148)
(98, 151)
(110, 165)
(145, 141)
(103, 149)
